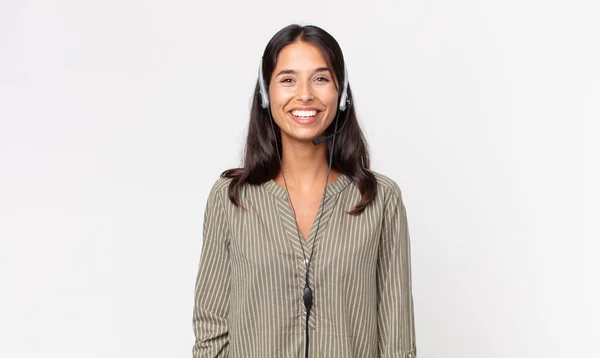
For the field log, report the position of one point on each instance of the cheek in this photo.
(278, 101)
(332, 104)
(279, 97)
(329, 98)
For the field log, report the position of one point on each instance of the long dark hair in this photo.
(261, 157)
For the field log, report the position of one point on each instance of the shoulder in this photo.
(387, 187)
(219, 188)
(390, 198)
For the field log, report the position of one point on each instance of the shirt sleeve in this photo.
(211, 299)
(395, 302)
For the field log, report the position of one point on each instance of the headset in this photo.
(344, 105)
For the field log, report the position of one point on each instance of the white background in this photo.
(116, 117)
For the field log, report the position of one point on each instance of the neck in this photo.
(305, 166)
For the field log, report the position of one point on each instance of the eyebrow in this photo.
(320, 69)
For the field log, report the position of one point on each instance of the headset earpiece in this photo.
(344, 100)
(264, 97)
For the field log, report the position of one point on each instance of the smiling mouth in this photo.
(304, 114)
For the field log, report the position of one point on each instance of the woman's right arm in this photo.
(211, 299)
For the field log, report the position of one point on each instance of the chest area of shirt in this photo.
(305, 207)
(267, 233)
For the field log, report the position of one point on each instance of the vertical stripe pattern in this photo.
(248, 294)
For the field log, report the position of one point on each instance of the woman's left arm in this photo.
(395, 302)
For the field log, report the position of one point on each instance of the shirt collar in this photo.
(332, 189)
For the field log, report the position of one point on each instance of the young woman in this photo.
(305, 250)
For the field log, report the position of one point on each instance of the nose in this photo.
(305, 92)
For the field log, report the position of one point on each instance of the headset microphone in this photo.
(321, 139)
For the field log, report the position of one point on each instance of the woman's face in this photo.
(302, 92)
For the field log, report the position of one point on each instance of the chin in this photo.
(302, 137)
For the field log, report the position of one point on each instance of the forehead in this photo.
(300, 55)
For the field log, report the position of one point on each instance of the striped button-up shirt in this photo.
(248, 295)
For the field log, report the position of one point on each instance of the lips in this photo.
(304, 113)
(305, 117)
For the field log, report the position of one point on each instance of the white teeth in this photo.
(301, 113)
